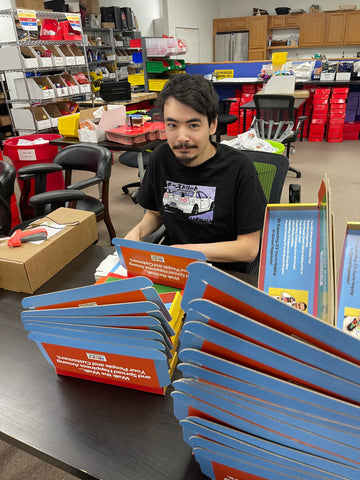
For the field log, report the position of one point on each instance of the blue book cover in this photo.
(340, 410)
(117, 309)
(290, 404)
(208, 282)
(124, 365)
(242, 405)
(228, 436)
(200, 336)
(348, 312)
(236, 324)
(254, 423)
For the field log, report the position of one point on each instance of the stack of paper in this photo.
(268, 391)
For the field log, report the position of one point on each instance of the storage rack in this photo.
(29, 101)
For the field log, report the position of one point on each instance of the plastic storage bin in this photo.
(23, 155)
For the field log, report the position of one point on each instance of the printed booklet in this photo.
(296, 265)
(122, 331)
(267, 391)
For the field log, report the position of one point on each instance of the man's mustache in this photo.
(183, 145)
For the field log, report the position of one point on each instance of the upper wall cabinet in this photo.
(284, 21)
(241, 23)
(258, 37)
(312, 28)
(235, 24)
(223, 25)
(334, 28)
(352, 28)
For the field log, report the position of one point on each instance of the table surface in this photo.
(136, 147)
(89, 429)
(251, 105)
(135, 98)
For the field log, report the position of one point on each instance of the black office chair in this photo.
(275, 120)
(272, 169)
(224, 118)
(130, 158)
(7, 183)
(79, 157)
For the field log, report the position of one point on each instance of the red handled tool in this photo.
(22, 236)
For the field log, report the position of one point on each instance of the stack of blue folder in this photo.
(267, 391)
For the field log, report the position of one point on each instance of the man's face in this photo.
(188, 133)
(299, 306)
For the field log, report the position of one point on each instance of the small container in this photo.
(135, 120)
(98, 41)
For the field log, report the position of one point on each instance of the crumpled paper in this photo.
(249, 141)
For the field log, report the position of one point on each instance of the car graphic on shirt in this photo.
(188, 201)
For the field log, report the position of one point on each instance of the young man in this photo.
(207, 195)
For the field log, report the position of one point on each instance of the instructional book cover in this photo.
(162, 264)
(348, 314)
(297, 256)
(226, 435)
(141, 368)
(208, 282)
(248, 329)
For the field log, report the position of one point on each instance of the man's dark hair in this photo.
(192, 90)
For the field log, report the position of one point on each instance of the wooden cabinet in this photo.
(334, 28)
(312, 29)
(284, 21)
(352, 28)
(293, 21)
(241, 23)
(257, 54)
(258, 31)
(223, 25)
(258, 37)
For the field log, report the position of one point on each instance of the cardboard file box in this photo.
(26, 268)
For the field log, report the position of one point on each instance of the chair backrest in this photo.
(274, 116)
(272, 169)
(7, 185)
(89, 158)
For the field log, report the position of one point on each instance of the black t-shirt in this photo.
(212, 202)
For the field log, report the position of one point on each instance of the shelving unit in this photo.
(39, 88)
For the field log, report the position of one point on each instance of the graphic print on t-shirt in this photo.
(197, 202)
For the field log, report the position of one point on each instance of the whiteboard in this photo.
(190, 36)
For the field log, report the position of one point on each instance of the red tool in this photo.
(21, 236)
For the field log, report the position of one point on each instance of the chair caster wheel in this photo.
(298, 175)
(125, 190)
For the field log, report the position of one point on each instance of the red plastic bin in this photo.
(24, 155)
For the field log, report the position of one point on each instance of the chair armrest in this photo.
(38, 168)
(89, 182)
(56, 196)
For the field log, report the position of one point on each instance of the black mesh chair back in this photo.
(225, 118)
(274, 116)
(272, 169)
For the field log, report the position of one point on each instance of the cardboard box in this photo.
(91, 6)
(26, 268)
(30, 4)
(110, 116)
